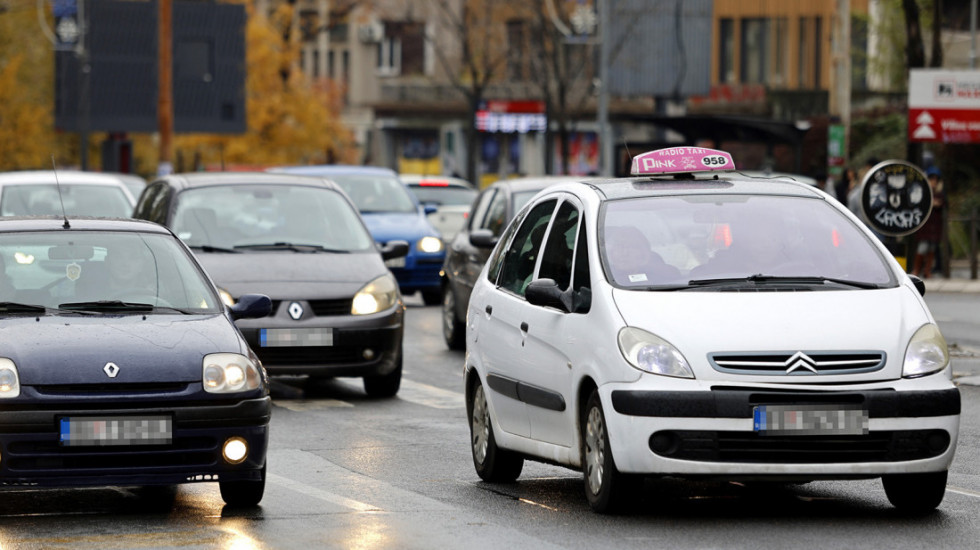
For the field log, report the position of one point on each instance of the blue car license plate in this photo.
(295, 337)
(810, 420)
(116, 430)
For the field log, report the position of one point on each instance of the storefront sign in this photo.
(944, 106)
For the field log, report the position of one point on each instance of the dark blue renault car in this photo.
(120, 366)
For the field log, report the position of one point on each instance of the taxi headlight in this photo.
(229, 373)
(378, 295)
(650, 353)
(927, 353)
(429, 244)
(9, 381)
(226, 297)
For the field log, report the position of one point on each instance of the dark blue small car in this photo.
(119, 365)
(391, 213)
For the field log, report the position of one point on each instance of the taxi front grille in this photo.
(798, 363)
(26, 457)
(322, 308)
(74, 390)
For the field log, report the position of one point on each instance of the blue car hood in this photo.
(74, 349)
(390, 226)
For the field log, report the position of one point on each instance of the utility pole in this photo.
(85, 84)
(165, 102)
(605, 136)
(840, 90)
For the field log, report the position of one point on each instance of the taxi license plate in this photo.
(116, 430)
(395, 262)
(295, 337)
(810, 420)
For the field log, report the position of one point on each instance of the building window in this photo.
(755, 51)
(309, 22)
(316, 63)
(330, 65)
(817, 51)
(516, 41)
(803, 61)
(780, 70)
(726, 52)
(402, 50)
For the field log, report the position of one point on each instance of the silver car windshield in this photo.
(237, 217)
(657, 241)
(78, 269)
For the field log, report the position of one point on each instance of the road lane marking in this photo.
(321, 494)
(303, 405)
(961, 491)
(430, 396)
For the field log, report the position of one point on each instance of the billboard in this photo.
(944, 106)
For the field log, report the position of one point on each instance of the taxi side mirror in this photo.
(545, 292)
(919, 284)
(483, 238)
(251, 306)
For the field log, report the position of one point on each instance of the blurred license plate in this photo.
(295, 337)
(810, 420)
(116, 430)
(395, 262)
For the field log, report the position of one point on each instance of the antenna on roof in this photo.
(627, 146)
(54, 168)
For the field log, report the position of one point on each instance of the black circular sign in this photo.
(896, 198)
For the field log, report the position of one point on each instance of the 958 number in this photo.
(714, 160)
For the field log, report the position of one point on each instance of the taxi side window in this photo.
(480, 208)
(556, 261)
(522, 254)
(496, 216)
(497, 258)
(581, 278)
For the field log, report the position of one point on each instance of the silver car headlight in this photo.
(927, 353)
(378, 295)
(650, 353)
(430, 244)
(9, 381)
(229, 373)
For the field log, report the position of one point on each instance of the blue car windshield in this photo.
(230, 216)
(55, 268)
(376, 193)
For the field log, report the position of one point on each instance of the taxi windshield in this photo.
(238, 217)
(669, 241)
(78, 269)
(79, 200)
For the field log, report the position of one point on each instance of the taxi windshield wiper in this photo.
(107, 305)
(759, 278)
(17, 307)
(209, 248)
(295, 247)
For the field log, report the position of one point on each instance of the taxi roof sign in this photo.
(681, 160)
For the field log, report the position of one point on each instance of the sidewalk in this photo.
(959, 279)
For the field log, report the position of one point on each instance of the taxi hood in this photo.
(74, 349)
(699, 324)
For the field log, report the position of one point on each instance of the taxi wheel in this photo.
(385, 385)
(492, 463)
(431, 297)
(915, 493)
(453, 331)
(242, 494)
(605, 487)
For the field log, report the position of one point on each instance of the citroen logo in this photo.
(800, 360)
(295, 311)
(111, 369)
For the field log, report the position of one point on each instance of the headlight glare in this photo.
(230, 372)
(429, 244)
(927, 353)
(9, 381)
(650, 353)
(226, 297)
(378, 295)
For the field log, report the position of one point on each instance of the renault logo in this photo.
(295, 311)
(800, 360)
(111, 369)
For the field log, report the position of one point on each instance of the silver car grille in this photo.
(798, 363)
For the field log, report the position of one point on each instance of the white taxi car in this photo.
(692, 321)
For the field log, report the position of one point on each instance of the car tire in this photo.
(492, 463)
(432, 297)
(605, 487)
(453, 330)
(385, 385)
(243, 493)
(915, 493)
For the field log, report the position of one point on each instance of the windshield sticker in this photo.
(73, 271)
(637, 277)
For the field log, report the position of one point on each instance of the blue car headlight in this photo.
(9, 381)
(429, 245)
(230, 373)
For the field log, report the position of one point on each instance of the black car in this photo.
(337, 310)
(492, 210)
(120, 366)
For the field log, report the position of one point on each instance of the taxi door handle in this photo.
(524, 326)
(489, 309)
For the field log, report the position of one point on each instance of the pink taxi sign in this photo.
(680, 160)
